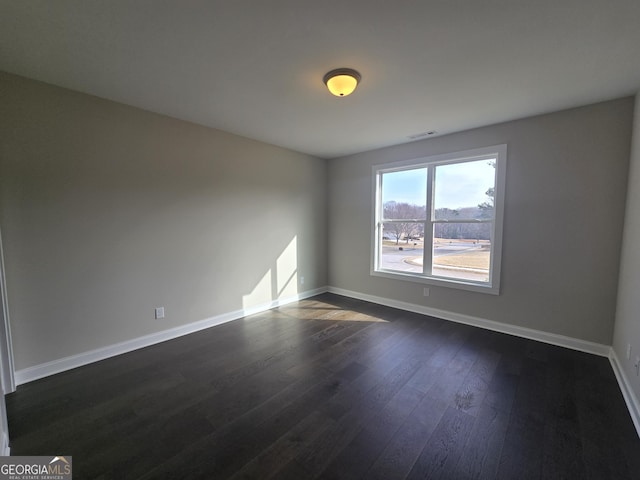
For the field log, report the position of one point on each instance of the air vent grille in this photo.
(422, 135)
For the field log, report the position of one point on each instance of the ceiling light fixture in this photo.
(341, 81)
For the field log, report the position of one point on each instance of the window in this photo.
(438, 220)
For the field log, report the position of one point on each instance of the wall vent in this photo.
(422, 135)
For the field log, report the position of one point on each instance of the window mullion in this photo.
(427, 259)
(379, 230)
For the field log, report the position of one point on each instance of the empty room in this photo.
(320, 240)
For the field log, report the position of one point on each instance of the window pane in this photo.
(464, 190)
(404, 194)
(459, 253)
(401, 254)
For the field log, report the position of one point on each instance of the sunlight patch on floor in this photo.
(316, 310)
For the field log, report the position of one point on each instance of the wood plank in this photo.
(397, 459)
(356, 458)
(442, 452)
(486, 439)
(270, 461)
(521, 455)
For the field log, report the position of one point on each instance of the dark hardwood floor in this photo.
(333, 387)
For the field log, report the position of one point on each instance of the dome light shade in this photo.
(342, 81)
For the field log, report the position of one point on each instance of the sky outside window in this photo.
(458, 185)
(408, 186)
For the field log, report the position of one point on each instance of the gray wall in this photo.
(565, 199)
(108, 211)
(627, 326)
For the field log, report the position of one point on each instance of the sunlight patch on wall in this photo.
(278, 283)
(260, 295)
(287, 271)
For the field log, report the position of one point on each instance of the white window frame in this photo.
(497, 152)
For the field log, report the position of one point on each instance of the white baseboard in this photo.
(545, 337)
(67, 363)
(627, 392)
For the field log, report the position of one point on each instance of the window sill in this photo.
(438, 281)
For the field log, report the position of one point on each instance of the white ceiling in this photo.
(255, 67)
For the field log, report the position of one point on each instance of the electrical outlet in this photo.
(637, 365)
(425, 291)
(628, 351)
(301, 280)
(159, 312)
